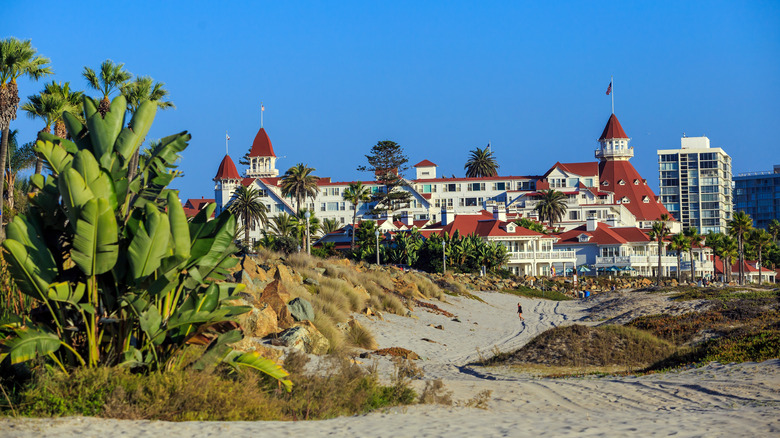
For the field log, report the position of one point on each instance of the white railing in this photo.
(614, 152)
(636, 261)
(566, 255)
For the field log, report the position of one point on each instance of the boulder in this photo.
(301, 310)
(311, 281)
(255, 344)
(304, 337)
(284, 274)
(276, 296)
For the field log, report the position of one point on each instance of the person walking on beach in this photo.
(519, 310)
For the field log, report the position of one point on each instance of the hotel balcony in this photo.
(543, 256)
(612, 153)
(634, 261)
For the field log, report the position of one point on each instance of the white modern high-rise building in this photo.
(695, 184)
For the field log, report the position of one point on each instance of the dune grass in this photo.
(342, 388)
(524, 291)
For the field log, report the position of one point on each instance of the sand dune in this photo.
(716, 400)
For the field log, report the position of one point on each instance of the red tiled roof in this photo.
(262, 147)
(475, 179)
(582, 169)
(603, 235)
(193, 206)
(425, 163)
(542, 185)
(227, 170)
(613, 129)
(613, 171)
(426, 195)
(483, 224)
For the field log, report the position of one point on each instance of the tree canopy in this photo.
(387, 162)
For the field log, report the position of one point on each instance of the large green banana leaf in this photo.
(130, 139)
(77, 130)
(97, 179)
(29, 343)
(74, 192)
(55, 156)
(104, 129)
(96, 244)
(64, 292)
(256, 362)
(180, 230)
(149, 245)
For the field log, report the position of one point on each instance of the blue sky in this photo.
(440, 78)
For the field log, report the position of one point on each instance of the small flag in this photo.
(262, 107)
(609, 89)
(227, 137)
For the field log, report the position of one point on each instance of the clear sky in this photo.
(440, 78)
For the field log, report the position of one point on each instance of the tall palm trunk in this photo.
(679, 265)
(354, 218)
(693, 264)
(3, 157)
(741, 260)
(660, 247)
(759, 267)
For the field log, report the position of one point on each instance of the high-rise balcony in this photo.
(614, 153)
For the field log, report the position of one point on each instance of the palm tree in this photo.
(695, 240)
(141, 89)
(552, 207)
(774, 229)
(299, 222)
(739, 226)
(329, 226)
(17, 59)
(356, 194)
(18, 159)
(481, 163)
(112, 78)
(245, 204)
(48, 106)
(730, 250)
(658, 233)
(679, 244)
(283, 225)
(299, 183)
(760, 239)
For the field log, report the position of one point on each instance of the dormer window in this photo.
(622, 182)
(646, 199)
(636, 182)
(510, 228)
(605, 183)
(625, 200)
(584, 237)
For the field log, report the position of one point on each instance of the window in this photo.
(574, 215)
(476, 187)
(646, 199)
(605, 183)
(470, 202)
(499, 186)
(426, 188)
(589, 182)
(622, 182)
(625, 200)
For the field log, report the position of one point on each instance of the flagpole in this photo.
(226, 143)
(612, 81)
(262, 109)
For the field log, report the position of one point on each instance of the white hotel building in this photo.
(610, 190)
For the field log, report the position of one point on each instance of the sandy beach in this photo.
(715, 400)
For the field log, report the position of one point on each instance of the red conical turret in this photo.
(227, 170)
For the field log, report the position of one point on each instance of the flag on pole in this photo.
(609, 89)
(262, 107)
(227, 137)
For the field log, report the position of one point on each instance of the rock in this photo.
(397, 352)
(244, 278)
(255, 344)
(311, 281)
(259, 322)
(304, 337)
(276, 296)
(301, 309)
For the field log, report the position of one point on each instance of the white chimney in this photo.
(612, 220)
(407, 219)
(591, 223)
(446, 216)
(499, 213)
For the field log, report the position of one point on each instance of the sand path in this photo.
(716, 400)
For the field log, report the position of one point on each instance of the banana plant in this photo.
(124, 277)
